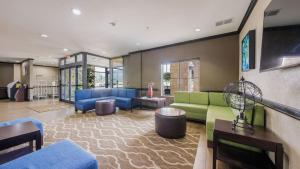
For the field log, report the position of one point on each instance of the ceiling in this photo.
(139, 24)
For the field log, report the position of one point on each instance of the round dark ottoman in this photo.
(170, 122)
(105, 107)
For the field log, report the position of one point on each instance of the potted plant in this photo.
(167, 78)
(91, 77)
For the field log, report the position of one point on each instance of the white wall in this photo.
(282, 86)
(17, 72)
(47, 74)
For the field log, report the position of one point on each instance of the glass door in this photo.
(62, 84)
(67, 85)
(73, 85)
(71, 80)
(79, 77)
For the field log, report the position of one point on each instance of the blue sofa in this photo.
(85, 99)
(61, 155)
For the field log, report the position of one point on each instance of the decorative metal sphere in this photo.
(242, 95)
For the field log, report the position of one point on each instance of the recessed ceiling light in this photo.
(44, 36)
(103, 52)
(138, 44)
(76, 11)
(197, 29)
(65, 49)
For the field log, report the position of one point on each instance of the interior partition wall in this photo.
(86, 70)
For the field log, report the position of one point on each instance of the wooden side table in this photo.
(262, 138)
(17, 134)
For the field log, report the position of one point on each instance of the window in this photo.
(62, 62)
(100, 77)
(180, 76)
(79, 58)
(79, 77)
(118, 77)
(97, 77)
(98, 71)
(97, 61)
(70, 60)
(166, 77)
(117, 68)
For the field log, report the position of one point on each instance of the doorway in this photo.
(71, 80)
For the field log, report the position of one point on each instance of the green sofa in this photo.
(209, 106)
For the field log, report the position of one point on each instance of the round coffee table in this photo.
(170, 122)
(105, 107)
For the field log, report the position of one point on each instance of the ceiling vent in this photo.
(224, 22)
(219, 23)
(272, 12)
(227, 21)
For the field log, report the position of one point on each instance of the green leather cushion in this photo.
(182, 97)
(217, 99)
(192, 110)
(199, 98)
(259, 116)
(217, 112)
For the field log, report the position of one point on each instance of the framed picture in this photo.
(248, 51)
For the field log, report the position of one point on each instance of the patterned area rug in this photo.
(126, 140)
(48, 107)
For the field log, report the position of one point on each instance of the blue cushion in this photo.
(123, 99)
(86, 104)
(96, 93)
(131, 93)
(122, 93)
(106, 92)
(101, 93)
(89, 104)
(83, 94)
(36, 122)
(114, 91)
(64, 154)
(123, 102)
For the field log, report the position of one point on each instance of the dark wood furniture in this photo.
(3, 93)
(14, 135)
(158, 102)
(262, 138)
(170, 122)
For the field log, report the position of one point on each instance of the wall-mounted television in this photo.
(281, 35)
(248, 51)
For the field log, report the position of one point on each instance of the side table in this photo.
(17, 134)
(262, 138)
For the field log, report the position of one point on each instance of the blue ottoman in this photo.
(61, 155)
(36, 122)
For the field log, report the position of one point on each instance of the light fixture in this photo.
(66, 50)
(76, 11)
(44, 36)
(197, 29)
(138, 44)
(103, 52)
